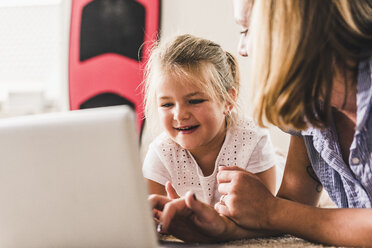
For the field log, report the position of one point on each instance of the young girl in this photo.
(192, 84)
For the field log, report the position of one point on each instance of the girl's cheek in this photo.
(164, 116)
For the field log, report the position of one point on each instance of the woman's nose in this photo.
(243, 44)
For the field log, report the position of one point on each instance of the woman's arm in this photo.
(299, 182)
(343, 227)
(241, 188)
(351, 227)
(258, 210)
(268, 177)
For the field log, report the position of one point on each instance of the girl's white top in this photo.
(246, 145)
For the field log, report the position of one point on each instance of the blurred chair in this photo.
(109, 45)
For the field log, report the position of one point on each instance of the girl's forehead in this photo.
(189, 81)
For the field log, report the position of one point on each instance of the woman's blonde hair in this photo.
(297, 47)
(197, 61)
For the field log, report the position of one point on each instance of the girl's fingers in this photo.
(158, 201)
(228, 174)
(156, 214)
(171, 192)
(221, 208)
(229, 168)
(224, 188)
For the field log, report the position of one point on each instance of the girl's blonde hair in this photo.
(197, 61)
(297, 47)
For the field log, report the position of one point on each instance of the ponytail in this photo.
(234, 70)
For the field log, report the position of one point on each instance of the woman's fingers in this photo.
(191, 220)
(189, 206)
(176, 207)
(205, 216)
(201, 211)
(171, 192)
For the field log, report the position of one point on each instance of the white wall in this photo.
(212, 19)
(34, 56)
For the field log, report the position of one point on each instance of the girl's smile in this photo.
(187, 129)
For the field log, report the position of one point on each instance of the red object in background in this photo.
(109, 43)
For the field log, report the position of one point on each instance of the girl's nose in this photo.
(180, 113)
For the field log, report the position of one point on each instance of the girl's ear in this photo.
(233, 95)
(229, 105)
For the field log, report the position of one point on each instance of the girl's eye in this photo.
(196, 101)
(166, 105)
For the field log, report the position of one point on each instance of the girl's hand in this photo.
(245, 198)
(189, 219)
(171, 192)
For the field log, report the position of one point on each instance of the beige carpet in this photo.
(286, 241)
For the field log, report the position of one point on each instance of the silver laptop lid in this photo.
(73, 179)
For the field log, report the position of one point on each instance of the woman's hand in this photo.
(194, 221)
(189, 219)
(245, 198)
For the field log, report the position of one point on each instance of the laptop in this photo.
(73, 179)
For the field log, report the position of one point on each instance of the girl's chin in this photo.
(187, 146)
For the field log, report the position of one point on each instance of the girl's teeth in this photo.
(185, 128)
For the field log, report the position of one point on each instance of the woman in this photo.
(313, 75)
